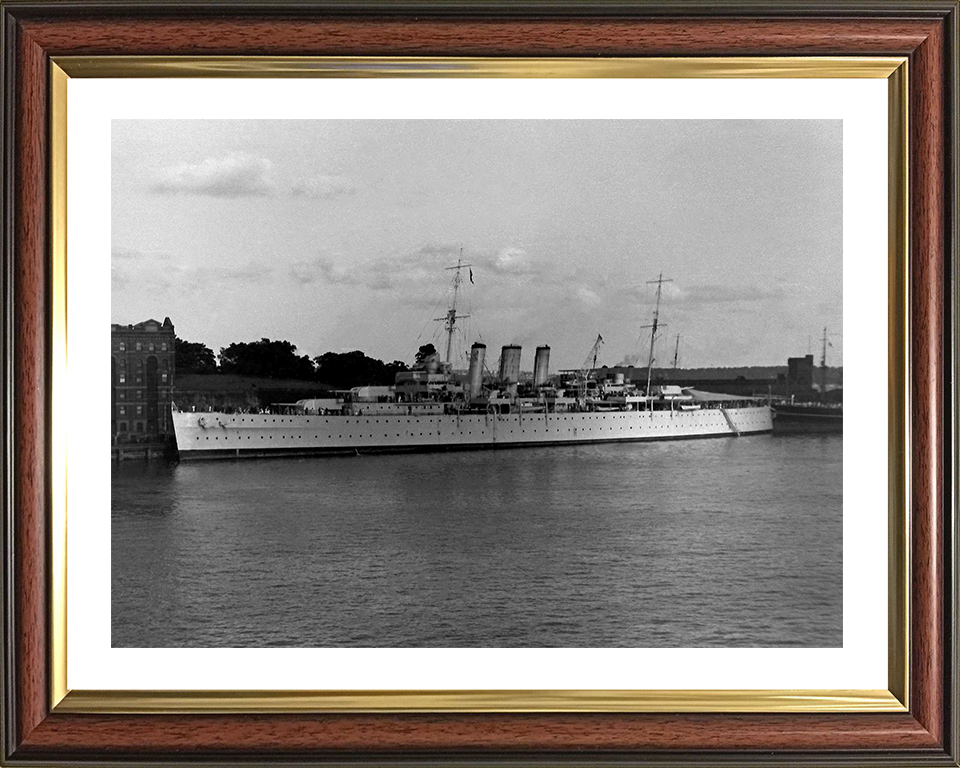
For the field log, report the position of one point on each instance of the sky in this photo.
(335, 235)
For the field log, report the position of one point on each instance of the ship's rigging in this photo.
(654, 327)
(823, 364)
(451, 336)
(450, 319)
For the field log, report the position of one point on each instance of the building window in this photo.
(123, 426)
(139, 394)
(139, 346)
(139, 379)
(150, 347)
(123, 379)
(123, 362)
(163, 378)
(139, 410)
(123, 394)
(139, 426)
(163, 347)
(123, 347)
(123, 410)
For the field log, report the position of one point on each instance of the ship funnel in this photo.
(510, 367)
(477, 354)
(541, 365)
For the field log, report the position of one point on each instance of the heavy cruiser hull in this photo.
(219, 435)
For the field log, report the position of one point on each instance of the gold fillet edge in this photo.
(898, 596)
(58, 394)
(361, 66)
(62, 68)
(232, 702)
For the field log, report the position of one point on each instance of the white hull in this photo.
(219, 435)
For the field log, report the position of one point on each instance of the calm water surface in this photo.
(726, 542)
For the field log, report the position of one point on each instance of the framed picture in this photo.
(337, 245)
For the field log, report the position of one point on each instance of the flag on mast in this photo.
(471, 278)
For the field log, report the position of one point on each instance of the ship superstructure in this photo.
(431, 407)
(817, 415)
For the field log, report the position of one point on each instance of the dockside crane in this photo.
(588, 365)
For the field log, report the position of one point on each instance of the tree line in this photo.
(274, 359)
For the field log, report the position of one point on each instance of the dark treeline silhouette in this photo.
(279, 360)
(273, 359)
(343, 370)
(193, 357)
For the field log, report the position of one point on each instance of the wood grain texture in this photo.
(892, 739)
(928, 414)
(30, 374)
(295, 735)
(427, 37)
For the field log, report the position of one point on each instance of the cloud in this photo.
(507, 278)
(509, 261)
(320, 270)
(252, 272)
(322, 187)
(383, 274)
(122, 255)
(584, 296)
(129, 266)
(725, 294)
(236, 175)
(139, 272)
(505, 266)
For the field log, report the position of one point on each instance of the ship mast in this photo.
(451, 317)
(823, 367)
(676, 353)
(653, 327)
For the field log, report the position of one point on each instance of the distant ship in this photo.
(431, 408)
(797, 416)
(808, 417)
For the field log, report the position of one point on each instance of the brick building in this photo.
(142, 368)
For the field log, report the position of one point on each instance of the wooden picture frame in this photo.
(38, 726)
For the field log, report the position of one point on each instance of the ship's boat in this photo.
(433, 408)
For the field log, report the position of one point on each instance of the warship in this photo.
(434, 408)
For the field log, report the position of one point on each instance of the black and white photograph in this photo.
(532, 383)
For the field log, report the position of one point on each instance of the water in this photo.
(704, 543)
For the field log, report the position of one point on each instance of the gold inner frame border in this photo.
(894, 699)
